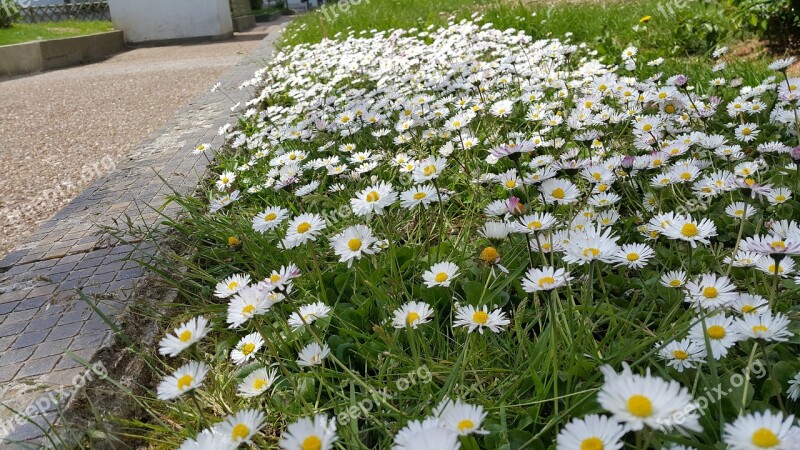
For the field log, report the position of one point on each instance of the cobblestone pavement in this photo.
(61, 130)
(44, 325)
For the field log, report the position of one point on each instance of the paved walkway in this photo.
(64, 129)
(41, 316)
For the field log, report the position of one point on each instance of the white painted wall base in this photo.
(165, 20)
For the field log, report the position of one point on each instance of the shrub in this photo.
(775, 20)
(256, 4)
(9, 12)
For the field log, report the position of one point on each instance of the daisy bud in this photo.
(681, 80)
(796, 153)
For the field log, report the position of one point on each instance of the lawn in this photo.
(24, 32)
(496, 226)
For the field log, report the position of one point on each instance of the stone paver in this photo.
(41, 316)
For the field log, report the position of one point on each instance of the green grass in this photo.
(24, 32)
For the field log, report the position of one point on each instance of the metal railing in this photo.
(89, 10)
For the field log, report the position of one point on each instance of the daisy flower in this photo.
(693, 231)
(308, 314)
(231, 285)
(794, 387)
(201, 148)
(762, 430)
(683, 354)
(746, 132)
(460, 418)
(317, 433)
(591, 432)
(426, 435)
(750, 304)
(420, 195)
(208, 439)
(559, 191)
(246, 304)
(280, 280)
(764, 326)
(710, 291)
(257, 382)
(247, 347)
(269, 219)
(373, 200)
(440, 274)
(674, 279)
(313, 354)
(303, 228)
(352, 243)
(639, 401)
(412, 314)
(773, 245)
(242, 426)
(767, 265)
(184, 336)
(544, 279)
(535, 222)
(428, 169)
(187, 377)
(720, 331)
(634, 255)
(225, 180)
(480, 318)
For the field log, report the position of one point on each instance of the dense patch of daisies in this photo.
(438, 197)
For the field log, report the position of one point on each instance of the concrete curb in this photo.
(30, 57)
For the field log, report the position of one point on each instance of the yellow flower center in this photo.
(716, 332)
(489, 255)
(373, 197)
(680, 354)
(662, 95)
(558, 193)
(675, 283)
(465, 425)
(780, 198)
(759, 329)
(240, 432)
(546, 281)
(184, 382)
(248, 309)
(259, 384)
(535, 225)
(689, 230)
(354, 244)
(185, 336)
(739, 213)
(419, 196)
(592, 443)
(710, 292)
(647, 127)
(746, 131)
(511, 184)
(778, 246)
(274, 278)
(669, 109)
(747, 309)
(303, 227)
(640, 406)
(765, 438)
(632, 256)
(480, 317)
(686, 176)
(591, 251)
(311, 443)
(233, 241)
(411, 318)
(429, 170)
(225, 180)
(248, 348)
(441, 277)
(270, 216)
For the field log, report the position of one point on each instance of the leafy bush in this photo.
(9, 12)
(256, 4)
(776, 20)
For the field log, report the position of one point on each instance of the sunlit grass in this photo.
(26, 32)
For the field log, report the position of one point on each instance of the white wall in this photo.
(158, 20)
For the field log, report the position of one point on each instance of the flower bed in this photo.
(463, 238)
